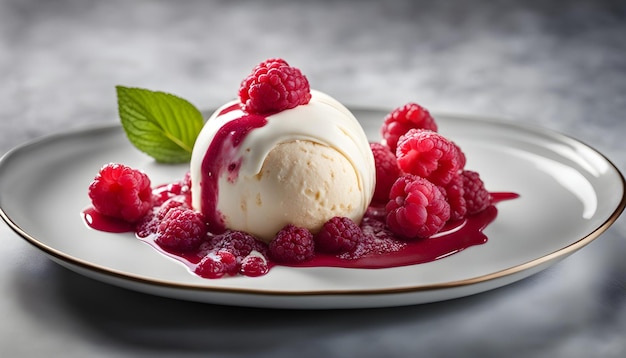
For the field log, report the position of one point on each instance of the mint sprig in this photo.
(159, 124)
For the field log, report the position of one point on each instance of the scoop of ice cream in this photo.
(301, 183)
(301, 166)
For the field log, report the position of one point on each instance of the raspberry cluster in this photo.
(429, 183)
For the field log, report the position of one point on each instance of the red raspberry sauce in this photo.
(454, 237)
(219, 158)
(100, 222)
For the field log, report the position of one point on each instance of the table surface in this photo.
(558, 64)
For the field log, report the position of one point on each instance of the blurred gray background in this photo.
(557, 64)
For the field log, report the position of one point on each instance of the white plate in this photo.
(569, 195)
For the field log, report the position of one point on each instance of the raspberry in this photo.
(149, 223)
(417, 208)
(217, 265)
(165, 192)
(428, 154)
(274, 86)
(476, 196)
(387, 171)
(254, 265)
(210, 266)
(122, 192)
(338, 235)
(181, 230)
(229, 260)
(453, 193)
(401, 119)
(174, 202)
(461, 157)
(292, 244)
(239, 243)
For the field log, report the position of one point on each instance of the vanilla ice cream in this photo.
(301, 166)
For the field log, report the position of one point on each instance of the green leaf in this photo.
(159, 124)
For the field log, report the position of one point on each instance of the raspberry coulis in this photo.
(100, 222)
(454, 237)
(219, 157)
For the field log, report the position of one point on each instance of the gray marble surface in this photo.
(557, 64)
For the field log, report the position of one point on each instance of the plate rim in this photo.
(481, 279)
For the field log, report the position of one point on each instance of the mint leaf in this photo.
(159, 124)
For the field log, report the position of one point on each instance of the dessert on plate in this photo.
(285, 175)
